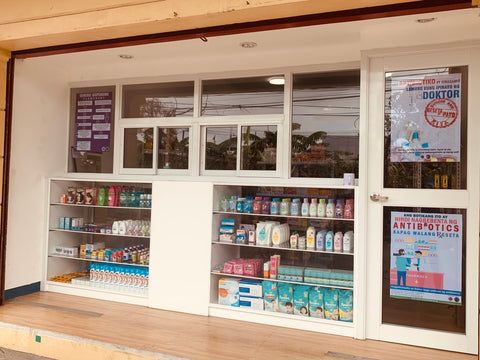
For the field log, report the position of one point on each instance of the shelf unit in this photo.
(224, 251)
(57, 264)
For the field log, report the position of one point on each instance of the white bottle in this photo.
(305, 207)
(311, 238)
(115, 228)
(348, 242)
(330, 208)
(313, 207)
(122, 228)
(322, 208)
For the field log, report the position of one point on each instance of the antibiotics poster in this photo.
(426, 257)
(425, 118)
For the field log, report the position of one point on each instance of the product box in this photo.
(228, 292)
(62, 222)
(95, 246)
(68, 223)
(70, 251)
(251, 288)
(254, 303)
(83, 251)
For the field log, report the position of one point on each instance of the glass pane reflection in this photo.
(325, 132)
(173, 148)
(221, 148)
(138, 148)
(259, 147)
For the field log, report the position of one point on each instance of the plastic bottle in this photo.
(305, 207)
(149, 201)
(313, 208)
(101, 196)
(330, 208)
(322, 208)
(257, 205)
(240, 205)
(248, 206)
(295, 207)
(320, 240)
(123, 198)
(339, 208)
(348, 242)
(348, 211)
(118, 190)
(266, 202)
(311, 238)
(224, 203)
(338, 242)
(329, 241)
(232, 204)
(111, 196)
(285, 207)
(275, 206)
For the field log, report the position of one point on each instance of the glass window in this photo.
(92, 114)
(138, 148)
(325, 132)
(259, 148)
(158, 100)
(426, 129)
(243, 96)
(173, 148)
(424, 268)
(221, 148)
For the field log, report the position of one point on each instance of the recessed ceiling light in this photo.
(425, 20)
(125, 56)
(277, 80)
(248, 44)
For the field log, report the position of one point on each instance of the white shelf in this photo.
(95, 233)
(284, 216)
(127, 296)
(284, 247)
(100, 207)
(92, 260)
(282, 281)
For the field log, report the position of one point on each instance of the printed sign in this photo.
(426, 257)
(93, 117)
(425, 118)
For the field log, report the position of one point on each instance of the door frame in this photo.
(374, 65)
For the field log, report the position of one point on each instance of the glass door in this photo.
(422, 180)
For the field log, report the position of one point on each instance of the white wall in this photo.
(40, 109)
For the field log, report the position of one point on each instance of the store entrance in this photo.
(422, 259)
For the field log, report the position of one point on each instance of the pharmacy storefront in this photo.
(323, 178)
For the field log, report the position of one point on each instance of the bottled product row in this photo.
(341, 208)
(110, 195)
(272, 269)
(302, 300)
(116, 278)
(128, 227)
(276, 234)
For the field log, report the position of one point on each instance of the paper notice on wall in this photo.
(426, 257)
(93, 116)
(425, 118)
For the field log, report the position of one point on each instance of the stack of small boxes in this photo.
(329, 277)
(290, 273)
(240, 293)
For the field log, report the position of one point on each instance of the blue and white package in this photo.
(345, 305)
(330, 301)
(315, 301)
(270, 295)
(300, 300)
(285, 298)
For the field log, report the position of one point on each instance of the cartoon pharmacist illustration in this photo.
(401, 264)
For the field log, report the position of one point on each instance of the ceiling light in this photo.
(277, 80)
(125, 56)
(248, 44)
(425, 20)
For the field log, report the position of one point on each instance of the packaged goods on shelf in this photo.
(315, 302)
(228, 292)
(300, 300)
(120, 278)
(113, 196)
(270, 295)
(227, 230)
(250, 288)
(329, 277)
(66, 251)
(264, 232)
(345, 305)
(247, 267)
(274, 264)
(330, 300)
(280, 235)
(285, 298)
(290, 273)
(67, 278)
(251, 302)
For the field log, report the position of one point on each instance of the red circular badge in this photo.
(441, 113)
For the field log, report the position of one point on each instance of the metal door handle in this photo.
(378, 197)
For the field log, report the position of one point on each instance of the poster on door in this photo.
(426, 257)
(93, 115)
(425, 118)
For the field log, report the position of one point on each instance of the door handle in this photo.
(378, 197)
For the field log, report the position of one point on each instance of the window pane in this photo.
(259, 147)
(326, 111)
(244, 96)
(221, 148)
(424, 268)
(138, 148)
(426, 129)
(173, 148)
(92, 114)
(158, 100)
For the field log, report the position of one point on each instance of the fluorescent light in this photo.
(277, 80)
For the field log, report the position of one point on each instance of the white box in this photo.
(251, 302)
